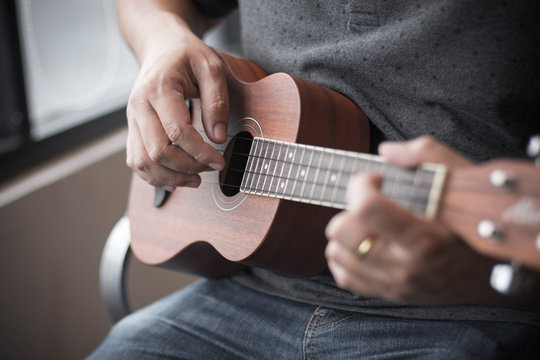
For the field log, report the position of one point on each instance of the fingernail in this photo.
(220, 131)
(193, 184)
(215, 166)
(168, 188)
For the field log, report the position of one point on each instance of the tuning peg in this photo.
(489, 230)
(533, 149)
(502, 179)
(511, 279)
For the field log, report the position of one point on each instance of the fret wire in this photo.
(413, 190)
(343, 186)
(267, 166)
(356, 163)
(416, 200)
(307, 174)
(325, 182)
(356, 156)
(346, 176)
(423, 180)
(298, 171)
(385, 181)
(418, 203)
(257, 150)
(425, 186)
(313, 148)
(402, 190)
(276, 161)
(282, 184)
(261, 165)
(275, 164)
(388, 176)
(416, 184)
(377, 167)
(396, 183)
(367, 166)
(338, 179)
(290, 169)
(317, 171)
(251, 161)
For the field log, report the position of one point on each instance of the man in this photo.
(463, 73)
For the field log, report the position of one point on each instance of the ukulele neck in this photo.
(320, 176)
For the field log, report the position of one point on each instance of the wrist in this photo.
(158, 30)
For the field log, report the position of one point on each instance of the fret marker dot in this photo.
(265, 166)
(282, 185)
(290, 155)
(333, 178)
(303, 173)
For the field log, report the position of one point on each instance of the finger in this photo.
(379, 215)
(377, 274)
(345, 280)
(158, 146)
(362, 189)
(173, 113)
(211, 79)
(424, 149)
(347, 230)
(342, 255)
(365, 282)
(151, 172)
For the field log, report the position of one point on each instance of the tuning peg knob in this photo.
(502, 179)
(533, 149)
(510, 279)
(489, 230)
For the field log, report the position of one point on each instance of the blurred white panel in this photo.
(77, 66)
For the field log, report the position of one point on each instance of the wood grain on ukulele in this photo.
(292, 147)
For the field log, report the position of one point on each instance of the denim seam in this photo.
(336, 320)
(308, 332)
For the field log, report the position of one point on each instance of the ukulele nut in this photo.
(489, 230)
(501, 179)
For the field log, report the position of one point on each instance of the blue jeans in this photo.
(220, 319)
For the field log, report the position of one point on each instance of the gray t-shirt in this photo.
(464, 72)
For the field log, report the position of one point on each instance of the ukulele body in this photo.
(210, 233)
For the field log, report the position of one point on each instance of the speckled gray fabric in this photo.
(465, 72)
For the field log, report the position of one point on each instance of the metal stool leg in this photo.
(112, 271)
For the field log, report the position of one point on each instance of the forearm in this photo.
(144, 21)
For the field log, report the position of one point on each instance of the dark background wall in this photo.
(52, 238)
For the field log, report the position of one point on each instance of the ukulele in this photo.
(291, 149)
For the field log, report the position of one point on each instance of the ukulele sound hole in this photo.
(236, 157)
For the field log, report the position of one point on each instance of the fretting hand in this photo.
(406, 257)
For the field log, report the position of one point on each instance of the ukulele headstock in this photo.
(495, 208)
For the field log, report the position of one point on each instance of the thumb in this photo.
(210, 74)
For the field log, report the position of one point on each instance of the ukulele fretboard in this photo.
(320, 176)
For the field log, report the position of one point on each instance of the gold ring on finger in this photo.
(365, 247)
